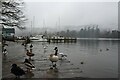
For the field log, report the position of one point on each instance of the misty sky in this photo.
(105, 14)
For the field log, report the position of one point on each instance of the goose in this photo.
(29, 65)
(17, 71)
(53, 58)
(56, 51)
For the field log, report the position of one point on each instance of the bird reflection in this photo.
(52, 73)
(29, 74)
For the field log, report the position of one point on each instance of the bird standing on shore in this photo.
(54, 58)
(5, 52)
(29, 65)
(17, 71)
(31, 46)
(29, 54)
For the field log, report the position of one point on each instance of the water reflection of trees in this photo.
(89, 43)
(97, 44)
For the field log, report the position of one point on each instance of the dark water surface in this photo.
(99, 57)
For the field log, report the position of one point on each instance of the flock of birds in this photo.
(102, 50)
(17, 71)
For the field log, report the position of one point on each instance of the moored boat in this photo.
(39, 38)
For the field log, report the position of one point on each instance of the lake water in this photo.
(99, 57)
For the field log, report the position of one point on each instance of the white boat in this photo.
(38, 38)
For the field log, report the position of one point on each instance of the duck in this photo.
(29, 65)
(5, 52)
(107, 49)
(30, 54)
(17, 71)
(31, 46)
(100, 50)
(81, 62)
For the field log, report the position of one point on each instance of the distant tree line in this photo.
(90, 32)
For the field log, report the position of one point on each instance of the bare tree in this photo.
(12, 14)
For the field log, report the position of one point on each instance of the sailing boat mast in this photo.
(59, 23)
(58, 26)
(44, 28)
(31, 28)
(33, 23)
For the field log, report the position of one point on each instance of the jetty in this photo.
(62, 40)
